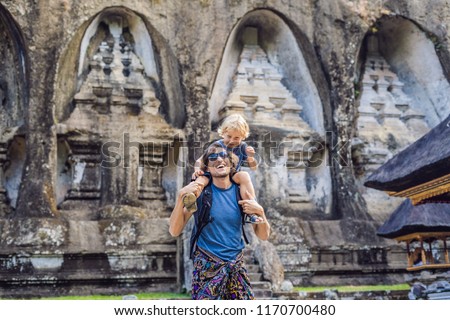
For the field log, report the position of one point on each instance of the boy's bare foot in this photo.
(253, 219)
(190, 202)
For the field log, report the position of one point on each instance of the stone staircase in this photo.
(261, 288)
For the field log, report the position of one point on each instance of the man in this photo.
(217, 248)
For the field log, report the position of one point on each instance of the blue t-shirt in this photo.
(239, 151)
(223, 236)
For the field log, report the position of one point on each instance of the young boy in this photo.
(233, 130)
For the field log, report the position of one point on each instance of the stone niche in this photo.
(259, 89)
(400, 98)
(114, 148)
(264, 77)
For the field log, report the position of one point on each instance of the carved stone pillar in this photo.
(119, 181)
(85, 165)
(151, 160)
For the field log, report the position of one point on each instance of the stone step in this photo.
(254, 276)
(263, 294)
(262, 289)
(262, 285)
(439, 296)
(249, 259)
(252, 268)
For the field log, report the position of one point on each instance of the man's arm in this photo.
(180, 216)
(262, 230)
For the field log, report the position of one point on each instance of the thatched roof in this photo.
(407, 219)
(426, 159)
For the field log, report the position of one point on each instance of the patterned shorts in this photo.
(214, 279)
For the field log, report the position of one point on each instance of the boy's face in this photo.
(232, 138)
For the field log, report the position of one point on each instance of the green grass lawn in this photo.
(173, 296)
(402, 286)
(140, 296)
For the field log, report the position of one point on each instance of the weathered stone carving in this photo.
(118, 140)
(387, 122)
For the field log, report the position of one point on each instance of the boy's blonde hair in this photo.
(234, 122)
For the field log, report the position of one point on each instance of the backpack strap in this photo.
(238, 197)
(203, 216)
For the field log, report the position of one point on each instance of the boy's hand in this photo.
(250, 151)
(192, 187)
(197, 173)
(251, 161)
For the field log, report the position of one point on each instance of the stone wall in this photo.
(106, 104)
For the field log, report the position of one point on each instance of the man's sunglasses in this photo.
(215, 156)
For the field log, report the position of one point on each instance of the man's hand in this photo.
(251, 206)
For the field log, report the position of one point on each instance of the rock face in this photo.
(105, 105)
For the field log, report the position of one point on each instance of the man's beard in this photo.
(220, 175)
